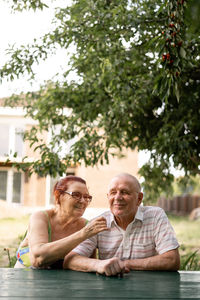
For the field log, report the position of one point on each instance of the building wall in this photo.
(36, 191)
(34, 185)
(33, 189)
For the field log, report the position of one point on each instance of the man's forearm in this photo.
(169, 261)
(109, 267)
(78, 262)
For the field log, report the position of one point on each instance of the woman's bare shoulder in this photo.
(39, 215)
(38, 220)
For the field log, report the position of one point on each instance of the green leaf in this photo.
(177, 92)
(182, 52)
(128, 91)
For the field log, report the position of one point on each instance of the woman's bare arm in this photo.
(43, 253)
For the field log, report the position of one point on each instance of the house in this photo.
(18, 189)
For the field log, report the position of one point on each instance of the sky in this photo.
(20, 28)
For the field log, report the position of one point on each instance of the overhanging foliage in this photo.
(138, 70)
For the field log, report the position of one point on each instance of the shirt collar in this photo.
(110, 220)
(138, 216)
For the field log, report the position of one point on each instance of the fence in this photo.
(180, 204)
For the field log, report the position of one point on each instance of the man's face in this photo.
(124, 197)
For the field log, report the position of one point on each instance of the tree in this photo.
(138, 70)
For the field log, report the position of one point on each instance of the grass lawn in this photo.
(10, 230)
(188, 235)
(187, 232)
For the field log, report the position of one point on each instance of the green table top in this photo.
(66, 284)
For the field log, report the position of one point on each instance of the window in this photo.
(11, 140)
(16, 197)
(19, 141)
(3, 184)
(4, 139)
(10, 186)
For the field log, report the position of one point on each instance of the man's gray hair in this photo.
(133, 178)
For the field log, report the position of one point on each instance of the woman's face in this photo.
(71, 204)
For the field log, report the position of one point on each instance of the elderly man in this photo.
(138, 237)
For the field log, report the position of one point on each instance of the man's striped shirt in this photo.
(149, 234)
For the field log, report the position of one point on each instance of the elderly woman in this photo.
(54, 233)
